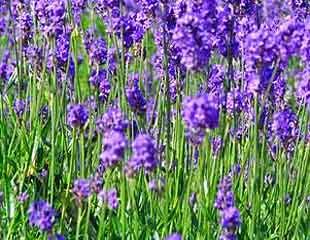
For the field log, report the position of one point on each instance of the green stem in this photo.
(78, 223)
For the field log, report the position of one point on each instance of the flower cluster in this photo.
(96, 48)
(99, 79)
(144, 155)
(229, 214)
(112, 119)
(134, 95)
(216, 143)
(81, 189)
(78, 6)
(303, 87)
(114, 147)
(6, 66)
(215, 83)
(51, 16)
(125, 26)
(42, 215)
(109, 197)
(284, 128)
(62, 49)
(199, 114)
(77, 115)
(194, 34)
(19, 107)
(23, 21)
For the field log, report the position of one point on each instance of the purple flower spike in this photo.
(19, 107)
(77, 115)
(113, 150)
(112, 119)
(51, 16)
(109, 197)
(96, 183)
(97, 76)
(82, 189)
(42, 215)
(144, 155)
(194, 33)
(96, 48)
(303, 87)
(78, 7)
(229, 214)
(284, 128)
(217, 143)
(134, 95)
(230, 218)
(199, 114)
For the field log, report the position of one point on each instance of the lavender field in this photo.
(154, 119)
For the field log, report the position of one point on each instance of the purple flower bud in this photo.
(51, 16)
(303, 87)
(224, 197)
(43, 174)
(96, 183)
(235, 169)
(104, 90)
(62, 50)
(78, 6)
(97, 76)
(194, 33)
(44, 112)
(6, 66)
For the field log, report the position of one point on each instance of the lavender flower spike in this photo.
(42, 215)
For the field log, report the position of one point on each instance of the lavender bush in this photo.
(149, 119)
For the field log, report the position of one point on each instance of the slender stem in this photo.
(78, 223)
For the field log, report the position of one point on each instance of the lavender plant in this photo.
(148, 119)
